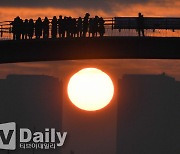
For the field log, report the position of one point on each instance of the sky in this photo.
(116, 68)
(106, 8)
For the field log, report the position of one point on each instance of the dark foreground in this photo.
(89, 48)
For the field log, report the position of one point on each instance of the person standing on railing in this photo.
(101, 27)
(31, 28)
(54, 27)
(38, 28)
(140, 23)
(46, 28)
(85, 24)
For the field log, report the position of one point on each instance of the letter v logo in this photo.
(8, 136)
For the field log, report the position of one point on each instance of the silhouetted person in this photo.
(69, 26)
(54, 27)
(38, 28)
(85, 24)
(96, 24)
(25, 29)
(66, 25)
(91, 27)
(22, 29)
(16, 28)
(79, 27)
(31, 28)
(19, 28)
(140, 23)
(61, 26)
(101, 27)
(60, 21)
(46, 28)
(73, 27)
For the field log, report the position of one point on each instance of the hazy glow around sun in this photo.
(90, 89)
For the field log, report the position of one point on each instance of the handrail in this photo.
(112, 26)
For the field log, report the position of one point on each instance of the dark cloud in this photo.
(56, 3)
(90, 4)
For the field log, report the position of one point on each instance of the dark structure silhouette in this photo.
(33, 102)
(89, 48)
(148, 115)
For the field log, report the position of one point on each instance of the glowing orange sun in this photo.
(90, 89)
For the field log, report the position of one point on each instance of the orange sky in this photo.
(148, 9)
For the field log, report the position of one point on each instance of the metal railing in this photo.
(111, 29)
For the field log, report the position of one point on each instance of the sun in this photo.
(90, 89)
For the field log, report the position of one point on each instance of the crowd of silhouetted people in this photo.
(58, 27)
